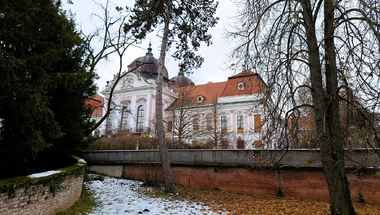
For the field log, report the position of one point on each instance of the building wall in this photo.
(232, 112)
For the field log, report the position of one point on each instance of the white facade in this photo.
(226, 114)
(234, 106)
(133, 105)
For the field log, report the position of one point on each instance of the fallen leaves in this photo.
(243, 203)
(309, 162)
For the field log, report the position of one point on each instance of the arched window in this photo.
(140, 119)
(124, 119)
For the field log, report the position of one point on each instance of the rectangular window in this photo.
(257, 119)
(209, 122)
(223, 124)
(170, 126)
(240, 124)
(196, 123)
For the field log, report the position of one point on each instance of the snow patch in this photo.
(81, 162)
(122, 196)
(43, 174)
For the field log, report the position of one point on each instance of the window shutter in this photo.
(257, 119)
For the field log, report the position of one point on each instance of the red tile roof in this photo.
(209, 91)
(242, 74)
(96, 103)
(252, 84)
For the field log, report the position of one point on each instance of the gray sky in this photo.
(214, 67)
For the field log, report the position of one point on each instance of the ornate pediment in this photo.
(127, 83)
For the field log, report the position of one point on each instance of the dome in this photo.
(180, 81)
(149, 66)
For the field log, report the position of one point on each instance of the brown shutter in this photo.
(257, 119)
(259, 144)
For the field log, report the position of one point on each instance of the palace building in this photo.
(228, 114)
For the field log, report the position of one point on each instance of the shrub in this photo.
(124, 142)
(131, 142)
(152, 174)
(176, 145)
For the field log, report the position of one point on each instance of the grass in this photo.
(84, 205)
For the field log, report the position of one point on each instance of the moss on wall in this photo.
(53, 181)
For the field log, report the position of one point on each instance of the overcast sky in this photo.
(214, 67)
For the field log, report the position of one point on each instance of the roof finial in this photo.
(181, 73)
(149, 50)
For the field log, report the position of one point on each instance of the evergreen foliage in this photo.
(189, 24)
(43, 85)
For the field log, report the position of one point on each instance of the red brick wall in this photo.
(39, 199)
(44, 195)
(294, 182)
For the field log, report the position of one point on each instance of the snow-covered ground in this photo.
(122, 196)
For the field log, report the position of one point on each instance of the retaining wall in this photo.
(233, 157)
(308, 183)
(298, 175)
(53, 192)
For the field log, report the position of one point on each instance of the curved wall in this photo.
(42, 193)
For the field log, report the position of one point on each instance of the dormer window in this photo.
(200, 99)
(137, 63)
(240, 86)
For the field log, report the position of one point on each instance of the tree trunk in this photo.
(326, 109)
(332, 148)
(164, 156)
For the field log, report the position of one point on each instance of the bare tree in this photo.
(189, 22)
(336, 45)
(181, 113)
(113, 41)
(212, 131)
